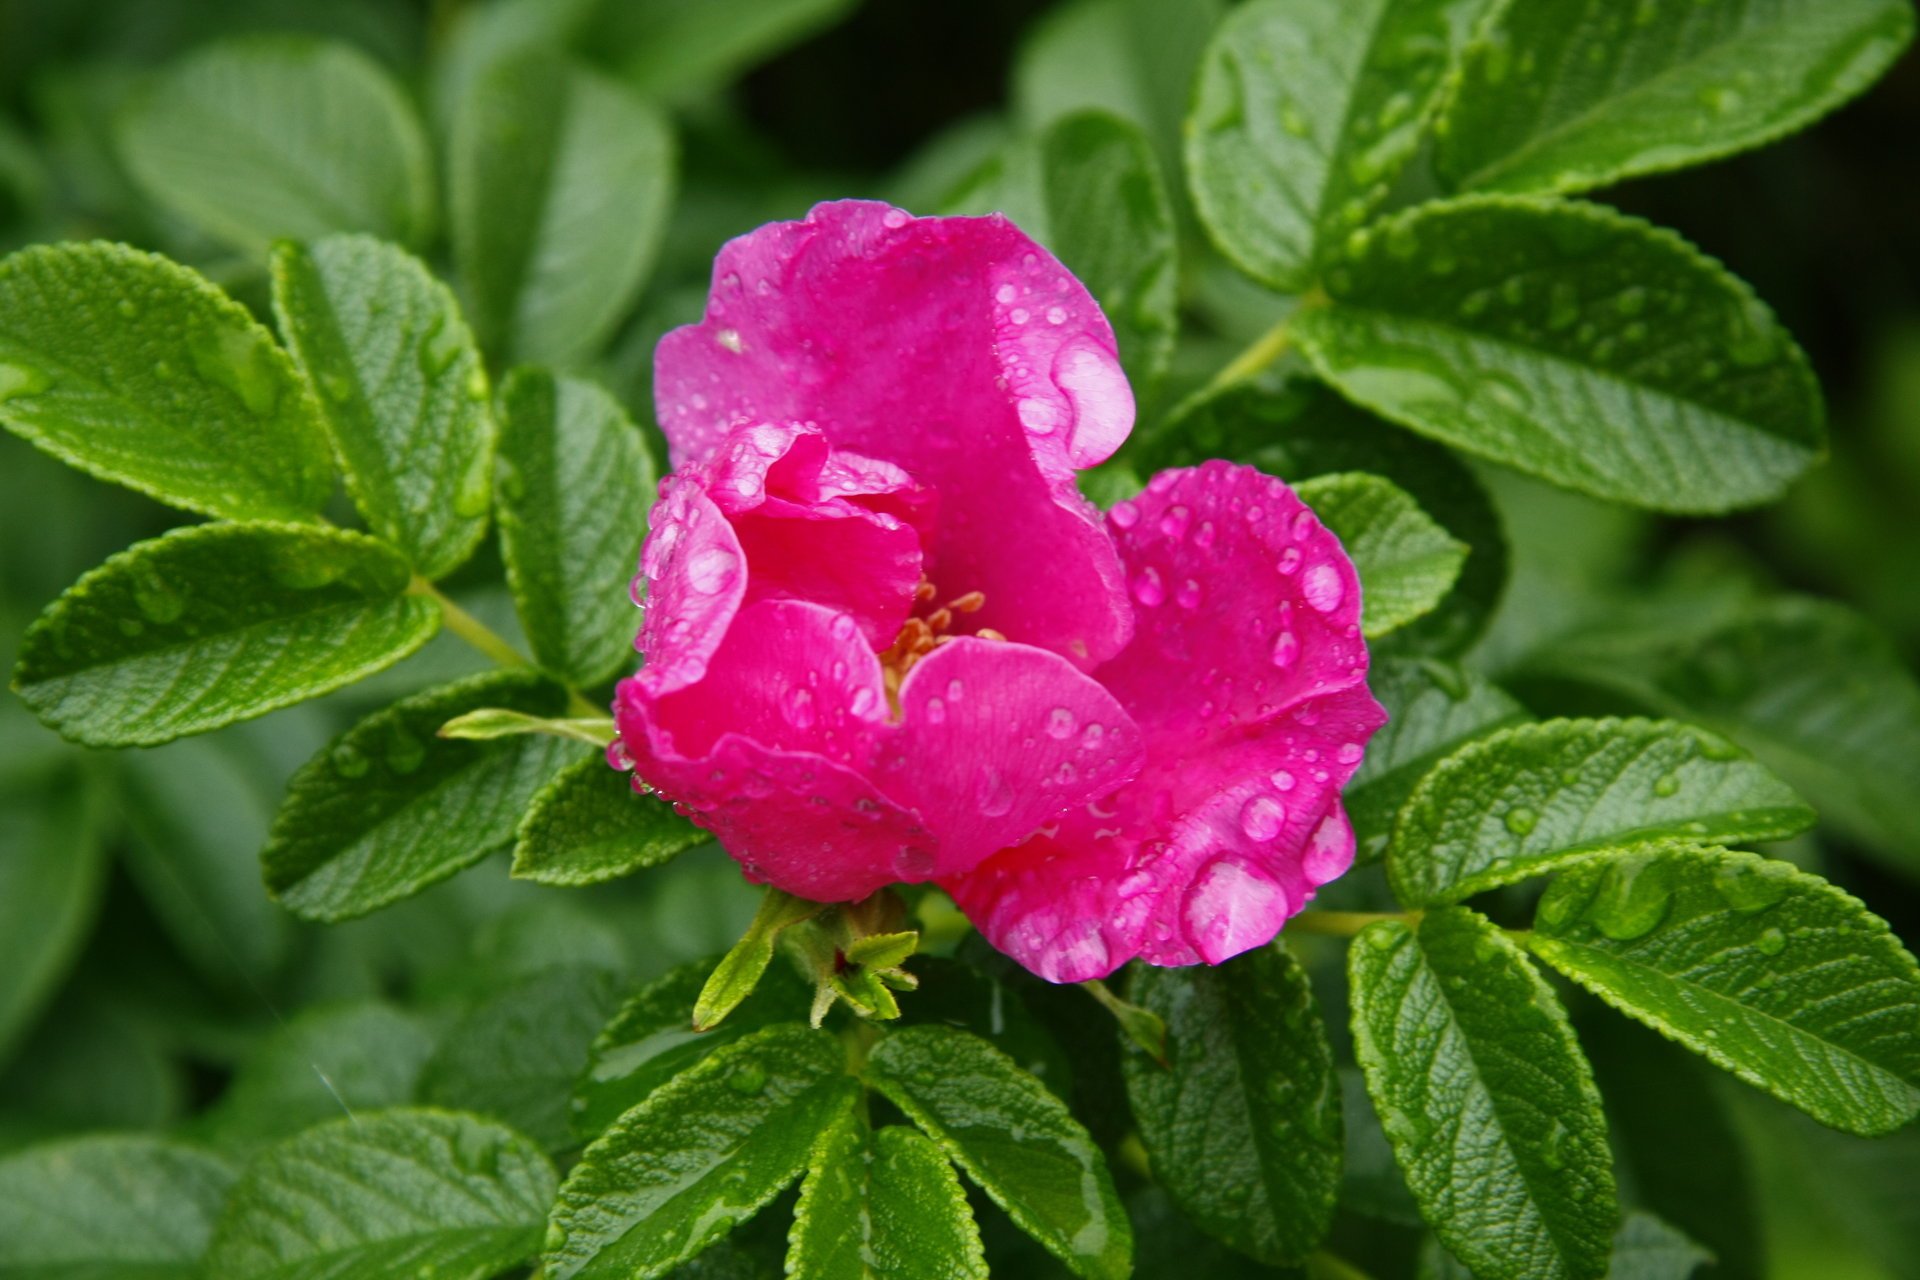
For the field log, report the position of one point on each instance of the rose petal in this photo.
(955, 348)
(694, 575)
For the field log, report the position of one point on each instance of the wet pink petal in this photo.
(695, 577)
(955, 348)
(1235, 819)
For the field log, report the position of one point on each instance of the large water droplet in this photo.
(1262, 818)
(1286, 648)
(1522, 820)
(1147, 588)
(1061, 723)
(991, 792)
(1749, 887)
(710, 570)
(1633, 899)
(1323, 588)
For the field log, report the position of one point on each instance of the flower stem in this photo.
(1264, 350)
(472, 630)
(1344, 924)
(1322, 1265)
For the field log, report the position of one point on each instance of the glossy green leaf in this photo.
(1535, 797)
(1575, 344)
(1810, 687)
(51, 876)
(139, 371)
(215, 623)
(401, 389)
(1488, 1103)
(1304, 114)
(108, 1208)
(740, 970)
(576, 480)
(1090, 189)
(1013, 1138)
(1302, 430)
(1557, 96)
(515, 1055)
(1433, 708)
(1242, 1123)
(489, 723)
(197, 817)
(1407, 562)
(882, 1205)
(262, 137)
(667, 48)
(388, 808)
(588, 825)
(328, 1060)
(699, 1156)
(409, 1192)
(560, 183)
(1644, 1248)
(652, 1040)
(1767, 971)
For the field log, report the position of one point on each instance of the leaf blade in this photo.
(1406, 560)
(588, 826)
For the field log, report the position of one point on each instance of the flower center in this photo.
(924, 632)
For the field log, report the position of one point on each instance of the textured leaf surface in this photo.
(1531, 798)
(560, 184)
(1810, 687)
(1558, 96)
(401, 389)
(1304, 430)
(407, 1192)
(589, 825)
(1089, 189)
(883, 1205)
(1646, 1248)
(576, 480)
(1015, 1140)
(261, 137)
(699, 1156)
(216, 623)
(652, 1040)
(1433, 708)
(1407, 562)
(1771, 973)
(388, 808)
(665, 48)
(1575, 344)
(51, 875)
(515, 1055)
(361, 1056)
(1243, 1122)
(1304, 113)
(1485, 1097)
(139, 371)
(108, 1208)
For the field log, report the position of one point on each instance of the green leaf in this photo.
(652, 1040)
(1810, 687)
(1572, 343)
(401, 389)
(411, 1192)
(588, 825)
(1531, 799)
(388, 808)
(516, 1054)
(576, 480)
(1769, 972)
(264, 137)
(198, 817)
(1013, 1138)
(1646, 1248)
(1304, 113)
(353, 1057)
(561, 181)
(1561, 97)
(739, 971)
(666, 48)
(1406, 561)
(699, 1156)
(1488, 1103)
(1433, 709)
(1090, 189)
(1243, 1122)
(137, 370)
(108, 1208)
(489, 723)
(882, 1205)
(215, 623)
(51, 876)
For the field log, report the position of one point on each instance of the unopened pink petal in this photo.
(955, 348)
(998, 739)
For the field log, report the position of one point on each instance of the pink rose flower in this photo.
(886, 639)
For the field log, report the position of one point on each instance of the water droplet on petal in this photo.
(936, 711)
(1262, 818)
(1286, 648)
(1147, 588)
(797, 703)
(992, 793)
(1124, 514)
(710, 570)
(1282, 780)
(1188, 595)
(1061, 723)
(1349, 753)
(1289, 562)
(1323, 588)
